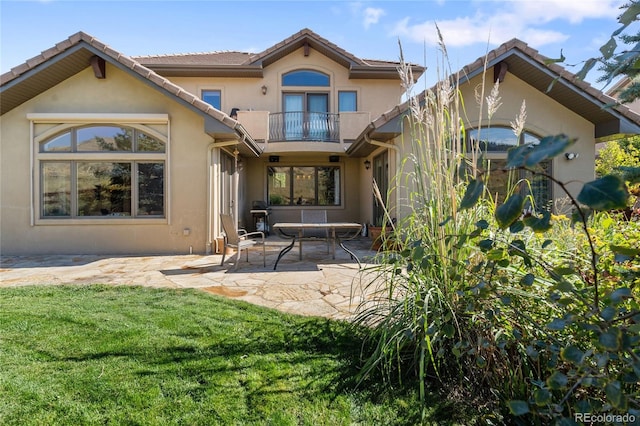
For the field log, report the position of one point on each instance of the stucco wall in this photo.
(349, 210)
(375, 96)
(544, 117)
(118, 93)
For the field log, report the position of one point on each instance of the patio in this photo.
(317, 285)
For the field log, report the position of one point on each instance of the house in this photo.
(108, 154)
(556, 102)
(621, 85)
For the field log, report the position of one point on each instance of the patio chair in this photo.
(239, 240)
(315, 216)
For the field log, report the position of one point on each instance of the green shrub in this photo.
(529, 318)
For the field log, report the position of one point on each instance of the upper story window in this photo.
(213, 98)
(347, 101)
(100, 171)
(305, 78)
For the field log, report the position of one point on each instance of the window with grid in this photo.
(494, 142)
(102, 171)
(304, 185)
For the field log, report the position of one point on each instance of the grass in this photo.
(131, 355)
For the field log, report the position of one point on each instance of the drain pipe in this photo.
(210, 186)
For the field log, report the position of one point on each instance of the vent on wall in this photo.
(334, 158)
(274, 158)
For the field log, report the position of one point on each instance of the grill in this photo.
(260, 212)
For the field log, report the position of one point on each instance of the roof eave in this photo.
(207, 70)
(385, 73)
(384, 129)
(619, 122)
(229, 130)
(216, 123)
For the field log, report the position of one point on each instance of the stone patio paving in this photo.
(317, 285)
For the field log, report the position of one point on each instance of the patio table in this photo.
(336, 232)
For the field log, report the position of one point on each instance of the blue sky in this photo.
(367, 29)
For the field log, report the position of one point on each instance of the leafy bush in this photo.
(527, 316)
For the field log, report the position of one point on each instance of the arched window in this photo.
(495, 142)
(498, 139)
(102, 171)
(102, 138)
(305, 78)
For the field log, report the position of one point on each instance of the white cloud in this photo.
(372, 16)
(572, 11)
(369, 15)
(495, 22)
(536, 37)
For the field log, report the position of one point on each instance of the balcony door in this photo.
(306, 116)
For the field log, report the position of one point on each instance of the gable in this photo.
(238, 64)
(516, 58)
(81, 51)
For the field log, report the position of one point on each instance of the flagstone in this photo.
(316, 286)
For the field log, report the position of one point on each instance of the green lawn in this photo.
(130, 355)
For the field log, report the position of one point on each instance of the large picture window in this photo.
(304, 186)
(102, 171)
(495, 142)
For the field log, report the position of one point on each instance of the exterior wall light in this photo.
(367, 164)
(264, 90)
(571, 155)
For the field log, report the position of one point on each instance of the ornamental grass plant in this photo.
(518, 315)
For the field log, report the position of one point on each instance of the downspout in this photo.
(236, 185)
(210, 208)
(32, 201)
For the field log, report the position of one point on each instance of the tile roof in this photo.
(203, 58)
(75, 52)
(301, 35)
(241, 64)
(540, 72)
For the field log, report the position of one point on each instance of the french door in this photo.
(306, 116)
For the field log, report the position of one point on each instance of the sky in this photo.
(366, 29)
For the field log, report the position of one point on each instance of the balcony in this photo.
(304, 126)
(283, 129)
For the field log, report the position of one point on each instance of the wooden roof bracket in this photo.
(98, 65)
(500, 71)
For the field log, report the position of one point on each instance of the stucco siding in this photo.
(186, 174)
(545, 117)
(351, 191)
(375, 96)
